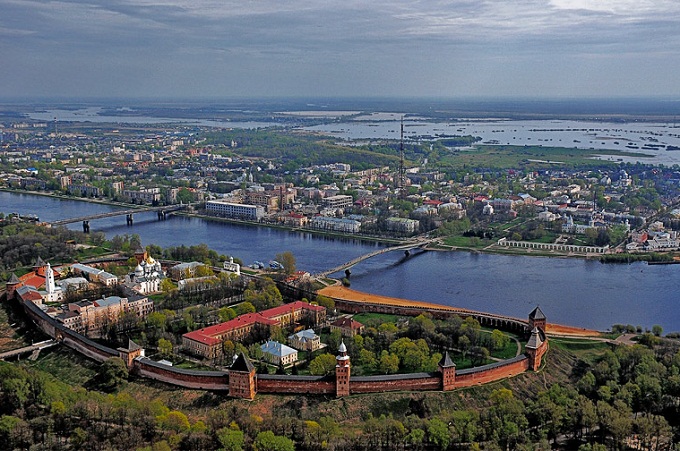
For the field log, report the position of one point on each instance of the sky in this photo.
(347, 48)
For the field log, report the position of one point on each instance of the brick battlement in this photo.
(447, 379)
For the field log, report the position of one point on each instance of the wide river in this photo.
(569, 291)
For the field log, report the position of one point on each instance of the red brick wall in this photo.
(494, 374)
(183, 380)
(430, 383)
(324, 387)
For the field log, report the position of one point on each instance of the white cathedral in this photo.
(147, 277)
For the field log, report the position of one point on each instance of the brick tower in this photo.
(535, 348)
(448, 370)
(342, 370)
(242, 378)
(537, 319)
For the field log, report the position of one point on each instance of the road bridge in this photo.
(349, 264)
(162, 212)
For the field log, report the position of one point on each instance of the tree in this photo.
(175, 421)
(322, 365)
(499, 340)
(325, 301)
(167, 285)
(231, 439)
(389, 363)
(164, 347)
(657, 330)
(267, 441)
(112, 374)
(287, 259)
(438, 433)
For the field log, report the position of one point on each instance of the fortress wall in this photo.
(490, 320)
(219, 381)
(493, 373)
(93, 352)
(67, 336)
(407, 384)
(40, 318)
(208, 380)
(299, 385)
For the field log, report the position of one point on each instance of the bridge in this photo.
(349, 264)
(34, 349)
(162, 211)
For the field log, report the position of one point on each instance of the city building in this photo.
(335, 224)
(278, 354)
(347, 326)
(207, 342)
(305, 340)
(234, 210)
(91, 317)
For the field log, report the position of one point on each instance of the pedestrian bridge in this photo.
(349, 264)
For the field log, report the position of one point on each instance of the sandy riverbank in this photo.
(340, 292)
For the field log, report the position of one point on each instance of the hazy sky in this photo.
(218, 48)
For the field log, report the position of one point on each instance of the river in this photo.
(570, 291)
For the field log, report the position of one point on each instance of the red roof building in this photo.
(207, 342)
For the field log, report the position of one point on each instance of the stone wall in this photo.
(313, 385)
(492, 372)
(198, 380)
(397, 382)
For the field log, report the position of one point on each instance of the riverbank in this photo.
(73, 198)
(344, 293)
(278, 226)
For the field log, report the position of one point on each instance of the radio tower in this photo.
(401, 175)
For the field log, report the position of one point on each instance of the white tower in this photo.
(49, 280)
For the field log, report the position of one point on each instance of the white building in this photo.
(338, 201)
(232, 267)
(279, 354)
(335, 224)
(147, 277)
(402, 225)
(233, 210)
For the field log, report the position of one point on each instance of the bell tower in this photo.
(342, 370)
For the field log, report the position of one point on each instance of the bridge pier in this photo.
(129, 219)
(161, 215)
(86, 226)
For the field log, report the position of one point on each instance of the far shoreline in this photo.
(438, 246)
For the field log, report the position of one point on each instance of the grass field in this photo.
(469, 242)
(521, 156)
(66, 365)
(370, 318)
(587, 350)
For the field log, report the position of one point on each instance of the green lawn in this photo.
(365, 318)
(469, 242)
(66, 365)
(587, 350)
(520, 156)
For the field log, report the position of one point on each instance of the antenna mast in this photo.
(400, 181)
